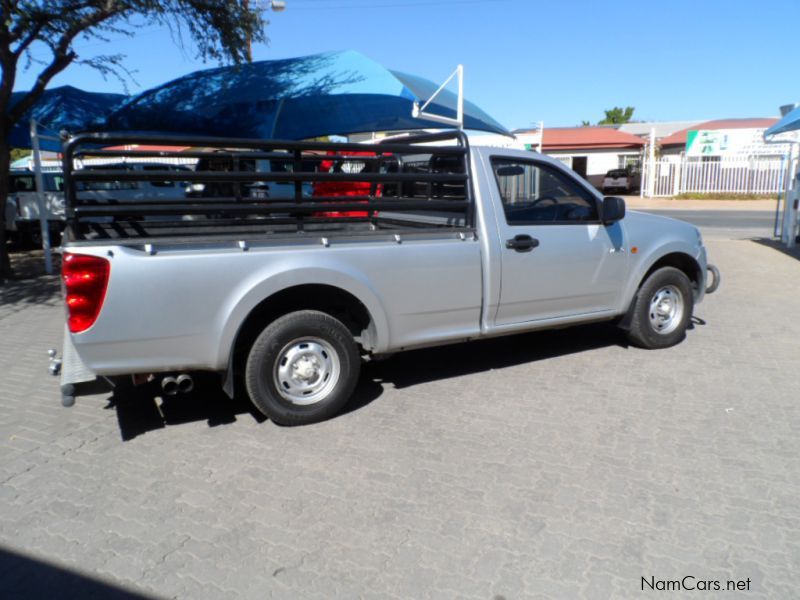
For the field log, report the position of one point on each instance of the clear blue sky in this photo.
(529, 60)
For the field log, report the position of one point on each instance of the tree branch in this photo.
(62, 57)
(29, 39)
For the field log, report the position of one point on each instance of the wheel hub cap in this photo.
(306, 371)
(666, 309)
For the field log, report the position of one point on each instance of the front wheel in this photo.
(662, 310)
(302, 368)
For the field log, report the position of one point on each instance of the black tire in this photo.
(663, 285)
(315, 342)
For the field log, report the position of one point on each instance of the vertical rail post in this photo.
(40, 199)
(651, 183)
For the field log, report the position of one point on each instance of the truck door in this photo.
(558, 259)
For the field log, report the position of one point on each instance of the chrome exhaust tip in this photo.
(170, 386)
(185, 383)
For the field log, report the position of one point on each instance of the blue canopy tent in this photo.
(64, 107)
(790, 122)
(787, 130)
(297, 98)
(58, 108)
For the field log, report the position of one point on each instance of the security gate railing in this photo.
(727, 176)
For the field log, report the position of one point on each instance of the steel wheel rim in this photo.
(306, 371)
(666, 309)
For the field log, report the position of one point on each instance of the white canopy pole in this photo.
(541, 135)
(651, 181)
(40, 198)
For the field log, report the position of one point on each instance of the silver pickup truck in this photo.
(423, 241)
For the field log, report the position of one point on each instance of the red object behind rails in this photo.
(85, 280)
(343, 189)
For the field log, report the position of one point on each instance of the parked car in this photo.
(619, 180)
(131, 190)
(259, 190)
(22, 208)
(464, 243)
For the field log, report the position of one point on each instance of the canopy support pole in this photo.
(40, 199)
(418, 112)
(791, 198)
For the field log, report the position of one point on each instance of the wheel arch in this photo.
(329, 299)
(681, 261)
(677, 259)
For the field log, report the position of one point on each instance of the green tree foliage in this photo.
(220, 31)
(617, 116)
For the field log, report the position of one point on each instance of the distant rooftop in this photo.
(663, 128)
(679, 137)
(586, 138)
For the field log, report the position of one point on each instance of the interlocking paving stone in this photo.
(559, 464)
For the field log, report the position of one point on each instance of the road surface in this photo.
(730, 223)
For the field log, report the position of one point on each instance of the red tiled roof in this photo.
(679, 137)
(587, 138)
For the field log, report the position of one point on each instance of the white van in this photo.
(22, 208)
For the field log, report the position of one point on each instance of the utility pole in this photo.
(274, 5)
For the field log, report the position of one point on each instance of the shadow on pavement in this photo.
(30, 284)
(777, 245)
(144, 408)
(26, 577)
(419, 366)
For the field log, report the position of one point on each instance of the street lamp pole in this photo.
(273, 5)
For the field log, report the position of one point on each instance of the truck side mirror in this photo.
(613, 209)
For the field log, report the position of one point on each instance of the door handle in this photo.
(522, 243)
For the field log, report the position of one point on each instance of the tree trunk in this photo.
(5, 179)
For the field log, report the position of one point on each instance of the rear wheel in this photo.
(662, 310)
(302, 368)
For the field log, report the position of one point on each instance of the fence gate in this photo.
(659, 180)
(733, 175)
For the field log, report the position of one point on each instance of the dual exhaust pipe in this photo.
(182, 384)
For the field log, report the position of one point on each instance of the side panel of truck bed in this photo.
(197, 298)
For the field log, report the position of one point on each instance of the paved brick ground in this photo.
(540, 466)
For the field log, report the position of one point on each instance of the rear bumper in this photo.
(76, 378)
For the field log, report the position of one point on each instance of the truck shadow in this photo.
(144, 409)
(421, 366)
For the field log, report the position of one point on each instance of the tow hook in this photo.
(712, 287)
(55, 363)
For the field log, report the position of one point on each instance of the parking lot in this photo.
(559, 464)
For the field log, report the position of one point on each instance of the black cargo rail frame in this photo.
(448, 192)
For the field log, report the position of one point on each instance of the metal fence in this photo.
(667, 177)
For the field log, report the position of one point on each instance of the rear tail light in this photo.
(85, 280)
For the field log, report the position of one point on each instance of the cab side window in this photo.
(537, 193)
